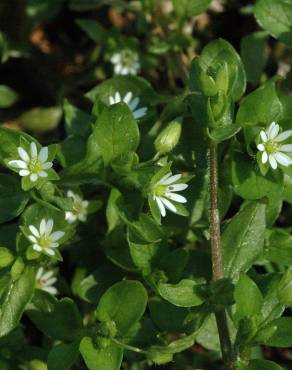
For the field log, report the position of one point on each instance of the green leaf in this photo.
(250, 184)
(63, 356)
(8, 97)
(84, 5)
(283, 334)
(220, 134)
(114, 123)
(12, 198)
(261, 107)
(190, 8)
(253, 54)
(243, 238)
(40, 119)
(95, 358)
(93, 29)
(263, 365)
(183, 294)
(17, 294)
(63, 322)
(124, 303)
(248, 297)
(275, 16)
(278, 247)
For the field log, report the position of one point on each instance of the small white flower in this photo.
(32, 164)
(45, 280)
(79, 208)
(131, 102)
(126, 62)
(165, 193)
(271, 147)
(43, 239)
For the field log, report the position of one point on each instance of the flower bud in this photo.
(108, 329)
(168, 138)
(17, 268)
(6, 257)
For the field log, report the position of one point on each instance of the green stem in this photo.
(128, 347)
(221, 318)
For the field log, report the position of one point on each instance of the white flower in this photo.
(164, 193)
(126, 62)
(32, 164)
(131, 102)
(271, 147)
(43, 239)
(79, 208)
(45, 280)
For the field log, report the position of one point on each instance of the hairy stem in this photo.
(221, 318)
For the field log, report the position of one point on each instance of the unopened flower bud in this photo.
(168, 138)
(6, 257)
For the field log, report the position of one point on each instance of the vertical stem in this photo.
(221, 318)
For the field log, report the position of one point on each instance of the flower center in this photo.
(127, 58)
(44, 242)
(35, 165)
(160, 190)
(271, 147)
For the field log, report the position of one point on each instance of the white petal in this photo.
(134, 103)
(85, 203)
(270, 129)
(33, 149)
(168, 204)
(50, 281)
(177, 187)
(50, 289)
(160, 206)
(23, 172)
(286, 148)
(165, 177)
(128, 97)
(118, 69)
(18, 164)
(264, 157)
(37, 247)
(117, 97)
(273, 161)
(124, 71)
(116, 58)
(54, 245)
(42, 174)
(171, 179)
(48, 274)
(283, 136)
(43, 226)
(56, 235)
(39, 273)
(49, 226)
(263, 136)
(23, 154)
(176, 197)
(261, 147)
(274, 132)
(140, 113)
(33, 177)
(43, 154)
(34, 231)
(283, 159)
(32, 238)
(47, 165)
(111, 100)
(51, 252)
